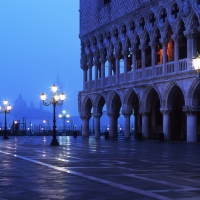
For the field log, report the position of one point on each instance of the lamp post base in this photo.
(5, 137)
(54, 142)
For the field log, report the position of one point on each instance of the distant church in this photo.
(29, 114)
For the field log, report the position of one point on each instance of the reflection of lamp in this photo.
(64, 116)
(196, 63)
(55, 100)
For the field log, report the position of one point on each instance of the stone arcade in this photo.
(137, 58)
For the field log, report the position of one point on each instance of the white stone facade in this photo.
(136, 57)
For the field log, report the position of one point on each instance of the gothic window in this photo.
(152, 19)
(132, 27)
(175, 11)
(163, 16)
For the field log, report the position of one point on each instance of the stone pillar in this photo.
(163, 41)
(153, 57)
(166, 123)
(176, 52)
(112, 124)
(102, 71)
(143, 50)
(84, 77)
(190, 36)
(125, 55)
(191, 122)
(126, 124)
(109, 58)
(145, 123)
(134, 51)
(85, 125)
(117, 57)
(96, 64)
(97, 117)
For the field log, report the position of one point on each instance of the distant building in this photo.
(35, 118)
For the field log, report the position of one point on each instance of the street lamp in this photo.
(5, 109)
(55, 100)
(63, 116)
(196, 63)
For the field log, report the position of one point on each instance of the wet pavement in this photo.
(89, 169)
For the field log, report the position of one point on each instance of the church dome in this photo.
(20, 102)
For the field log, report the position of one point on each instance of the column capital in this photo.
(176, 37)
(144, 112)
(163, 41)
(112, 114)
(117, 56)
(97, 115)
(134, 50)
(143, 47)
(85, 116)
(153, 44)
(191, 110)
(166, 111)
(127, 112)
(125, 53)
(109, 58)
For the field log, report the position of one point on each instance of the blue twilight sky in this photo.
(38, 39)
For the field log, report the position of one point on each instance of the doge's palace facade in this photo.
(137, 58)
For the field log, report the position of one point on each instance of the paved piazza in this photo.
(98, 169)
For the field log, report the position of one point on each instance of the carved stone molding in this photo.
(191, 110)
(112, 114)
(127, 112)
(97, 115)
(166, 111)
(144, 111)
(85, 116)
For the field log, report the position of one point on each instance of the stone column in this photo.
(190, 36)
(176, 52)
(125, 55)
(97, 117)
(84, 77)
(102, 71)
(163, 41)
(112, 124)
(96, 64)
(109, 58)
(117, 57)
(143, 50)
(85, 125)
(191, 122)
(134, 51)
(153, 57)
(145, 123)
(126, 124)
(166, 123)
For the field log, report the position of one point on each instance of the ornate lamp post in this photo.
(55, 100)
(63, 116)
(5, 109)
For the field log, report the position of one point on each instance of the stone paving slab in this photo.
(89, 169)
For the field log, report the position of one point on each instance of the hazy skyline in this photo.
(38, 39)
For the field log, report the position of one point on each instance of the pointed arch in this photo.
(169, 91)
(147, 95)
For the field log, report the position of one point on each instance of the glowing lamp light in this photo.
(9, 107)
(54, 88)
(43, 96)
(62, 96)
(5, 102)
(56, 97)
(196, 63)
